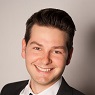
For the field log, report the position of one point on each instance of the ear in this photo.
(69, 56)
(23, 48)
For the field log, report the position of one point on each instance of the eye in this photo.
(37, 48)
(58, 52)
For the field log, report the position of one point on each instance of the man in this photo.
(47, 48)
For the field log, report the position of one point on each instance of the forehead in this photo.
(47, 33)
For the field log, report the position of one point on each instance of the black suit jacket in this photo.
(17, 87)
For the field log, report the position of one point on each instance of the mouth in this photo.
(43, 69)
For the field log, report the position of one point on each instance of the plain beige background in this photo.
(13, 15)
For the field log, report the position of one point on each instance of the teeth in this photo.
(43, 69)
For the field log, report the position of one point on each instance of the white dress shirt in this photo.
(52, 90)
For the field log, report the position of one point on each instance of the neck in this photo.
(38, 88)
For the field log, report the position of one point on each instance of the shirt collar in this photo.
(52, 90)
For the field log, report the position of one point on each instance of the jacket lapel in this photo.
(22, 85)
(64, 89)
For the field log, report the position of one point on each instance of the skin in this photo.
(46, 56)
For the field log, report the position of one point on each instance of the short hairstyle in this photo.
(54, 18)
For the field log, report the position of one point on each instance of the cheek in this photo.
(31, 57)
(60, 61)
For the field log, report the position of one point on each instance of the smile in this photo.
(43, 69)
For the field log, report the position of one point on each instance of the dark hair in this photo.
(55, 18)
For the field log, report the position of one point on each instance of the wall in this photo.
(13, 15)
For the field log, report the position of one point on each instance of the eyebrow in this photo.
(34, 42)
(54, 47)
(59, 47)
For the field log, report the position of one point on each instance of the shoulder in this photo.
(68, 90)
(76, 92)
(12, 87)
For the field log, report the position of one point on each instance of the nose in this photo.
(46, 59)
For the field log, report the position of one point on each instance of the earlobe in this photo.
(69, 56)
(23, 48)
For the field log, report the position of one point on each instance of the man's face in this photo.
(46, 54)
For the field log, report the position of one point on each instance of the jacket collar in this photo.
(64, 89)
